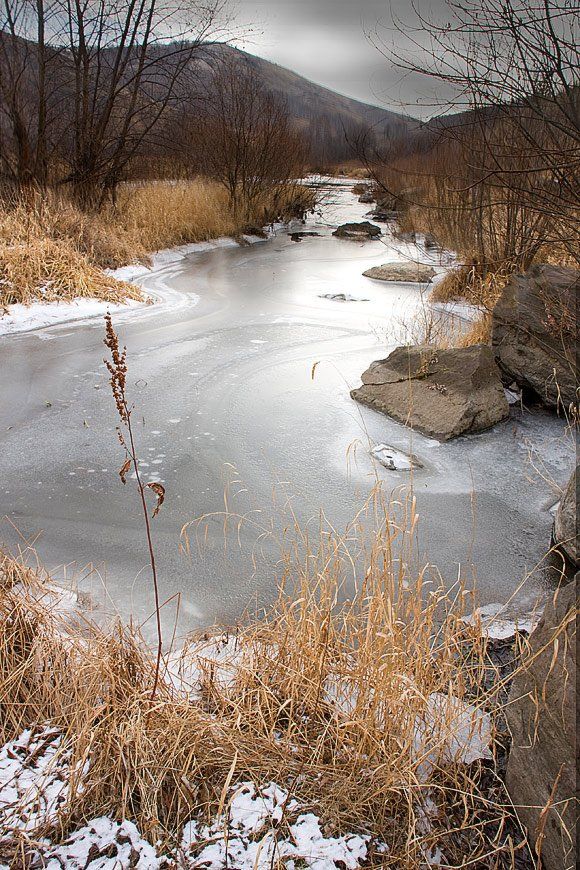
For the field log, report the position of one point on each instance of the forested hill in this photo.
(324, 115)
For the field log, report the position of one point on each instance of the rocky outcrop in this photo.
(366, 198)
(565, 525)
(442, 393)
(534, 332)
(401, 272)
(363, 230)
(541, 771)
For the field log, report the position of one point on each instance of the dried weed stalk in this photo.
(117, 368)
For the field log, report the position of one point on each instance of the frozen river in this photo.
(221, 375)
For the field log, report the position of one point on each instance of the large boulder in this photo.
(363, 230)
(565, 525)
(406, 271)
(442, 393)
(541, 771)
(534, 332)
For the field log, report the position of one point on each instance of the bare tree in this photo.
(245, 138)
(131, 61)
(515, 67)
(91, 79)
(29, 96)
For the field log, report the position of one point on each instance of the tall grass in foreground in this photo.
(349, 692)
(51, 250)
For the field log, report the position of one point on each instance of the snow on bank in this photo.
(497, 624)
(35, 777)
(27, 318)
(246, 836)
(103, 843)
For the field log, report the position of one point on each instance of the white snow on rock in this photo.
(342, 297)
(34, 780)
(100, 845)
(393, 459)
(233, 839)
(499, 625)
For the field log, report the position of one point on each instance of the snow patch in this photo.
(103, 843)
(500, 627)
(233, 839)
(451, 730)
(35, 776)
(25, 318)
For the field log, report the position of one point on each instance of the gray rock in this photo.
(383, 215)
(534, 332)
(366, 198)
(442, 393)
(565, 526)
(541, 771)
(363, 230)
(401, 272)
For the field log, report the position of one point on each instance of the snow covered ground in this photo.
(259, 825)
(25, 318)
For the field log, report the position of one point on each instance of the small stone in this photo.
(411, 272)
(363, 230)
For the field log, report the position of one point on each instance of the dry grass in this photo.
(42, 258)
(466, 282)
(326, 695)
(478, 333)
(50, 250)
(161, 214)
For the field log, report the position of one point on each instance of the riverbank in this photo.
(367, 733)
(57, 263)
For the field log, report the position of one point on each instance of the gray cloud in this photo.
(331, 43)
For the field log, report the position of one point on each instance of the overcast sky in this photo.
(325, 41)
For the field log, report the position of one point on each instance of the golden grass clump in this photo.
(51, 271)
(50, 250)
(163, 214)
(345, 693)
(478, 333)
(466, 282)
(42, 257)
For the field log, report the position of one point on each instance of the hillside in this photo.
(325, 115)
(328, 119)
